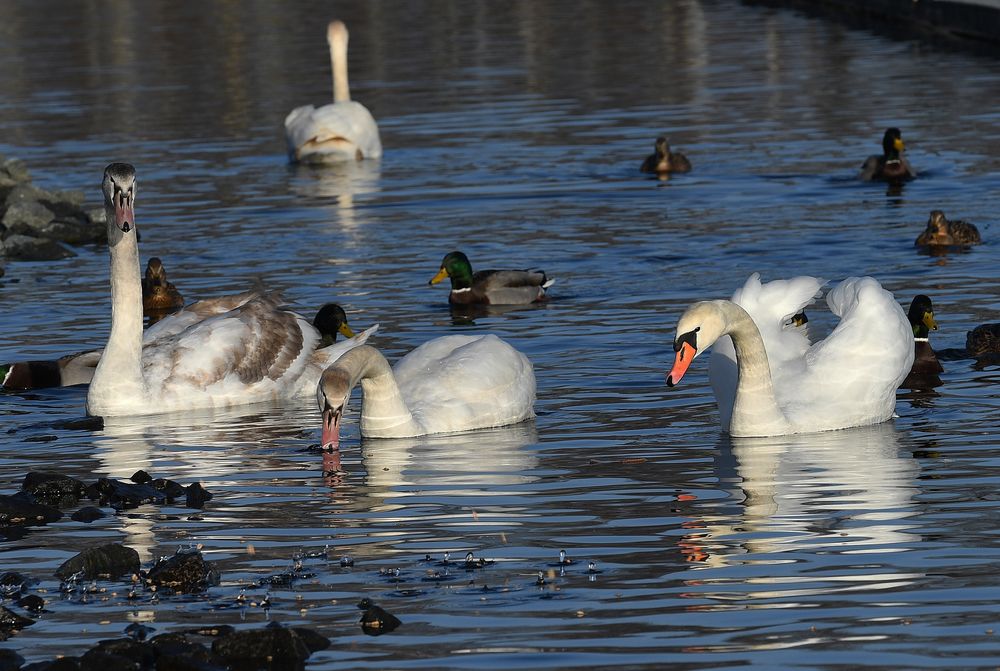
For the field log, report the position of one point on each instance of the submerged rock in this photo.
(375, 620)
(21, 510)
(10, 660)
(262, 649)
(87, 514)
(106, 561)
(26, 248)
(120, 494)
(196, 496)
(184, 572)
(54, 489)
(11, 620)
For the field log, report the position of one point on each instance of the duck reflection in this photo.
(842, 492)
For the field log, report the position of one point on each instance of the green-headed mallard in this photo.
(329, 321)
(490, 287)
(891, 166)
(663, 161)
(941, 231)
(925, 361)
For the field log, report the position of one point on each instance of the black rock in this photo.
(32, 603)
(170, 489)
(122, 495)
(20, 510)
(197, 495)
(176, 653)
(13, 583)
(141, 477)
(111, 560)
(54, 489)
(27, 248)
(87, 514)
(313, 640)
(11, 620)
(10, 660)
(138, 655)
(375, 620)
(185, 572)
(267, 648)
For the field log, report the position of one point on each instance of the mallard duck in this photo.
(341, 131)
(984, 340)
(891, 166)
(452, 383)
(159, 295)
(925, 362)
(768, 380)
(254, 352)
(62, 372)
(493, 287)
(663, 161)
(941, 231)
(329, 321)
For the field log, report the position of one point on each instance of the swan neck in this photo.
(384, 411)
(338, 63)
(755, 409)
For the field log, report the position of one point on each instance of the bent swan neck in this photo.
(384, 412)
(755, 409)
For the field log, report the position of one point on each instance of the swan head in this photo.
(331, 396)
(336, 33)
(698, 328)
(329, 321)
(119, 198)
(892, 142)
(456, 266)
(921, 316)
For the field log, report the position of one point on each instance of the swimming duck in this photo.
(253, 352)
(768, 379)
(891, 166)
(925, 362)
(159, 295)
(663, 161)
(984, 340)
(329, 321)
(63, 372)
(493, 287)
(941, 231)
(452, 383)
(341, 131)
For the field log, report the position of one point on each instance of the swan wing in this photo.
(457, 383)
(192, 314)
(338, 130)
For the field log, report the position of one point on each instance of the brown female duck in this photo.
(942, 232)
(663, 161)
(158, 295)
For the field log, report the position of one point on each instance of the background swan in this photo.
(784, 385)
(452, 383)
(341, 131)
(253, 352)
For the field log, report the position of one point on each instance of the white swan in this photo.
(783, 385)
(451, 383)
(341, 131)
(253, 352)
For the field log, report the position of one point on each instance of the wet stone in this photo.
(136, 654)
(27, 248)
(20, 510)
(141, 477)
(27, 217)
(13, 583)
(10, 620)
(87, 514)
(111, 560)
(256, 649)
(196, 496)
(120, 494)
(32, 603)
(375, 620)
(170, 489)
(313, 640)
(10, 660)
(53, 489)
(185, 572)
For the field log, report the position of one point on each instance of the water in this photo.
(514, 132)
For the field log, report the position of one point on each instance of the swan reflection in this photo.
(340, 182)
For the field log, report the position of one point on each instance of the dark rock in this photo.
(11, 620)
(14, 170)
(170, 489)
(124, 494)
(184, 572)
(111, 560)
(375, 620)
(267, 648)
(26, 248)
(61, 664)
(138, 632)
(70, 230)
(32, 603)
(139, 655)
(197, 495)
(141, 477)
(12, 583)
(87, 514)
(53, 489)
(27, 218)
(313, 640)
(20, 510)
(177, 653)
(10, 660)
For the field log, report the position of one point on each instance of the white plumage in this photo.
(784, 384)
(341, 131)
(452, 383)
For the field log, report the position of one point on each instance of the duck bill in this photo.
(898, 144)
(331, 428)
(929, 321)
(685, 355)
(345, 331)
(441, 274)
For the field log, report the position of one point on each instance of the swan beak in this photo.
(685, 355)
(898, 144)
(346, 331)
(929, 321)
(124, 212)
(443, 273)
(331, 427)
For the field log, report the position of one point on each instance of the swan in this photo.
(452, 383)
(490, 287)
(769, 381)
(341, 131)
(254, 351)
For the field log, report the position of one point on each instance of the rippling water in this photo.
(514, 131)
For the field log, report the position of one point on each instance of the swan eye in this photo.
(690, 338)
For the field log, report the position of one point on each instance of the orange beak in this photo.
(685, 355)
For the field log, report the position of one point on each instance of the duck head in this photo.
(119, 200)
(456, 266)
(662, 146)
(331, 320)
(921, 316)
(698, 328)
(937, 224)
(892, 143)
(156, 276)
